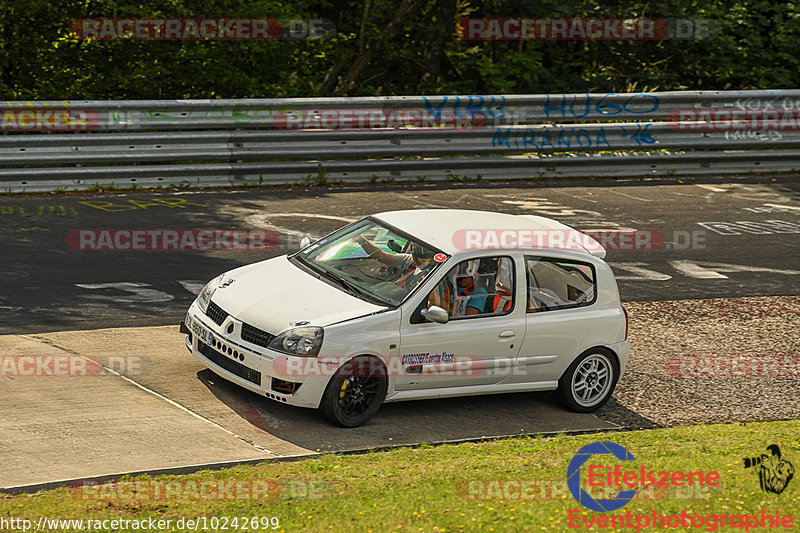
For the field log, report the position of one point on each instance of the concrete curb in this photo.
(190, 469)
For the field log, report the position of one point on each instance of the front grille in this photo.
(255, 335)
(253, 376)
(216, 313)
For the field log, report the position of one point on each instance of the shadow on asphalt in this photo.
(618, 414)
(405, 423)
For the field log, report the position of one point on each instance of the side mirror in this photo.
(305, 241)
(435, 314)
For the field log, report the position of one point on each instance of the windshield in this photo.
(372, 261)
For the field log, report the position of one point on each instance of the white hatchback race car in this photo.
(418, 304)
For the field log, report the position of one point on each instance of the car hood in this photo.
(274, 294)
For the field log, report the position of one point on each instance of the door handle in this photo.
(508, 333)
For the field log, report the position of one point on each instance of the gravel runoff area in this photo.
(717, 360)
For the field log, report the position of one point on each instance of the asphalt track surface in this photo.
(721, 239)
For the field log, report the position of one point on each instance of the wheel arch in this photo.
(599, 348)
(351, 358)
(565, 391)
(357, 365)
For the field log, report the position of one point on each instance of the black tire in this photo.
(589, 381)
(355, 392)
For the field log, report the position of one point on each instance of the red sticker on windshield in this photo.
(440, 258)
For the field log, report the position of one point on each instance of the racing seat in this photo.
(503, 286)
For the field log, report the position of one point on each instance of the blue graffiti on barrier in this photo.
(569, 138)
(635, 104)
(472, 105)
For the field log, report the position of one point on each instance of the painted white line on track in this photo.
(629, 196)
(712, 188)
(784, 206)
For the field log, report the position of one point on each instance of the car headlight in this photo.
(204, 298)
(305, 341)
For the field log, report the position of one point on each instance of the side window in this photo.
(482, 286)
(559, 283)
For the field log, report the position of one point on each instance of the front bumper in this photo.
(284, 378)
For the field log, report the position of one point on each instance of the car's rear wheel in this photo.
(355, 393)
(589, 381)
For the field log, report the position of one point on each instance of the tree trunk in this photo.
(445, 19)
(341, 87)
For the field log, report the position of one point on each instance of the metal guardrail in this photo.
(79, 144)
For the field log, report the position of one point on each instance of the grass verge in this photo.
(507, 485)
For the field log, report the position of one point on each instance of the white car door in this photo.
(560, 319)
(479, 344)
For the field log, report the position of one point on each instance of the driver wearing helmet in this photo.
(458, 294)
(469, 298)
(414, 266)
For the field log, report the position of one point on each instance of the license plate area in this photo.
(199, 331)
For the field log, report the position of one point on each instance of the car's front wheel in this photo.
(588, 382)
(355, 392)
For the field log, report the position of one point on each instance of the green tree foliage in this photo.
(390, 47)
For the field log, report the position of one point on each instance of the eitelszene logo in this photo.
(574, 477)
(774, 472)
